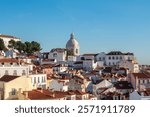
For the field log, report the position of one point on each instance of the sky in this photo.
(98, 25)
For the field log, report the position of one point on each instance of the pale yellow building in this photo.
(10, 86)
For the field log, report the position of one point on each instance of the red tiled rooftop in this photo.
(141, 75)
(7, 78)
(7, 36)
(7, 60)
(44, 94)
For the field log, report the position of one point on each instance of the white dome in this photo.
(72, 43)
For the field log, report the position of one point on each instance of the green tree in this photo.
(12, 44)
(28, 48)
(20, 47)
(35, 46)
(2, 45)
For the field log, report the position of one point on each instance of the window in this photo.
(117, 58)
(34, 80)
(6, 72)
(100, 58)
(143, 81)
(23, 72)
(76, 51)
(103, 58)
(82, 58)
(38, 79)
(139, 81)
(109, 58)
(109, 63)
(121, 58)
(55, 55)
(43, 79)
(13, 92)
(15, 72)
(113, 57)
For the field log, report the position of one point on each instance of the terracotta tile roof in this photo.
(7, 36)
(141, 75)
(7, 78)
(44, 95)
(47, 66)
(77, 92)
(7, 60)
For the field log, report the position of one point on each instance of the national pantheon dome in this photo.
(73, 45)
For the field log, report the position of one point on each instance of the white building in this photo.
(7, 38)
(139, 81)
(38, 81)
(73, 46)
(14, 67)
(59, 54)
(47, 61)
(60, 68)
(113, 57)
(101, 57)
(139, 95)
(131, 65)
(103, 84)
(89, 65)
(59, 84)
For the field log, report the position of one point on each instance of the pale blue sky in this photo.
(99, 25)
